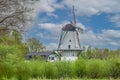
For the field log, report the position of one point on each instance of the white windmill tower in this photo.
(69, 44)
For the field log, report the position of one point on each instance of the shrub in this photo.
(49, 70)
(22, 72)
(5, 50)
(95, 68)
(42, 69)
(6, 70)
(115, 68)
(35, 68)
(64, 69)
(80, 67)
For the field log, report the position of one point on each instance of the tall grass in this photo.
(95, 68)
(81, 68)
(64, 69)
(6, 71)
(39, 69)
(114, 67)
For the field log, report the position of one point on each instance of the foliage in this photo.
(80, 67)
(92, 68)
(98, 53)
(17, 36)
(12, 48)
(22, 71)
(64, 69)
(6, 70)
(95, 68)
(35, 45)
(115, 67)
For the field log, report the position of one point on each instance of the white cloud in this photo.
(96, 7)
(52, 46)
(107, 38)
(111, 33)
(82, 7)
(87, 7)
(48, 36)
(116, 19)
(52, 14)
(51, 33)
(51, 27)
(47, 6)
(114, 43)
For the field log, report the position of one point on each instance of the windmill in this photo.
(69, 44)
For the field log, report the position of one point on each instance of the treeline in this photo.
(100, 53)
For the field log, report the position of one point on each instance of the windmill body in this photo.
(69, 44)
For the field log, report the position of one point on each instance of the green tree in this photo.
(17, 36)
(35, 45)
(11, 49)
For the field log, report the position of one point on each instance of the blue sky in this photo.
(100, 20)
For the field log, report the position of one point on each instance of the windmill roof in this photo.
(39, 53)
(69, 50)
(69, 27)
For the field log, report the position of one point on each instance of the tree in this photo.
(15, 14)
(35, 45)
(12, 48)
(17, 36)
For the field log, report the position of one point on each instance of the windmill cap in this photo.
(69, 27)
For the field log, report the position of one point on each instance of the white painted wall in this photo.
(69, 55)
(68, 58)
(69, 39)
(52, 58)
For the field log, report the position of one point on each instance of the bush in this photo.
(5, 50)
(95, 68)
(80, 67)
(49, 70)
(6, 71)
(64, 69)
(9, 45)
(35, 68)
(115, 68)
(42, 69)
(22, 71)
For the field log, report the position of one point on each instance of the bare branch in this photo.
(14, 14)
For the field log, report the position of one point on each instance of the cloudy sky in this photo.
(100, 20)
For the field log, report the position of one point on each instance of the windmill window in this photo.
(49, 58)
(69, 46)
(73, 54)
(52, 58)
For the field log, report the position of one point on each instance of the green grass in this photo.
(80, 69)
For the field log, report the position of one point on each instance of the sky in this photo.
(100, 20)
